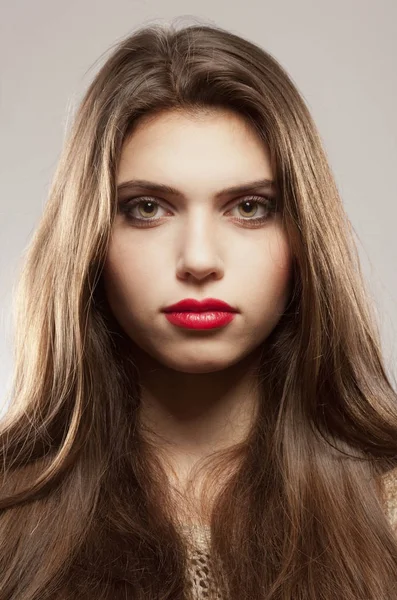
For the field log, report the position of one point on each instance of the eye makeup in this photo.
(127, 205)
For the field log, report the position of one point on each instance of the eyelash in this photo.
(128, 204)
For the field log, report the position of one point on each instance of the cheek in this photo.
(281, 270)
(272, 273)
(133, 277)
(130, 279)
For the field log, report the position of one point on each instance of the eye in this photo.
(249, 205)
(146, 207)
(144, 210)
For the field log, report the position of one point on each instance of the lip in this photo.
(198, 306)
(200, 320)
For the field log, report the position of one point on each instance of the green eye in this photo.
(148, 210)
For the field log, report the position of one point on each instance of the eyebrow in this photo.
(143, 184)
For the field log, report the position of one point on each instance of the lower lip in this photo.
(201, 320)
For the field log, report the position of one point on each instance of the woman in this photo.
(242, 443)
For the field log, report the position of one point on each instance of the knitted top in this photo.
(201, 581)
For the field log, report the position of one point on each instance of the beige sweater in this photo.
(200, 578)
(202, 583)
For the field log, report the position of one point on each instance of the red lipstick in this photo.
(195, 314)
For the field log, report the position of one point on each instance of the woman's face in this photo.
(202, 242)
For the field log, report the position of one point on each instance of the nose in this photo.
(199, 251)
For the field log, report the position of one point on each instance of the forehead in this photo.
(202, 148)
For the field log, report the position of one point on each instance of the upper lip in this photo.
(193, 305)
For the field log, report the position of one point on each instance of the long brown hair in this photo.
(85, 506)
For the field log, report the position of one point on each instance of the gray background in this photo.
(341, 54)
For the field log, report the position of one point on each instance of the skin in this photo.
(199, 389)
